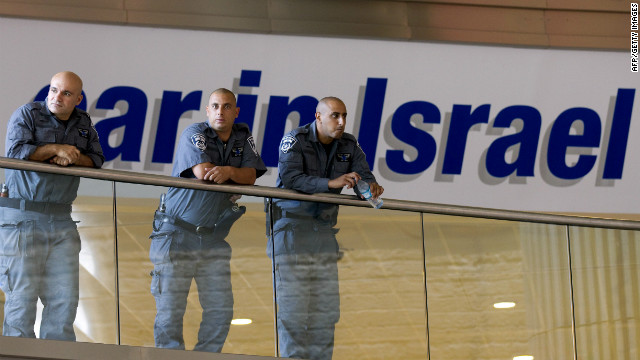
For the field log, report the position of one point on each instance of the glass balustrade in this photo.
(251, 331)
(606, 288)
(92, 213)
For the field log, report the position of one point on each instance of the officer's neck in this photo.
(224, 136)
(325, 140)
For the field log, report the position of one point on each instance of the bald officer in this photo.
(188, 241)
(40, 240)
(316, 158)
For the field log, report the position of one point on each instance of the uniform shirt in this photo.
(199, 143)
(33, 125)
(304, 165)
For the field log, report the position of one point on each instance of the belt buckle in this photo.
(200, 230)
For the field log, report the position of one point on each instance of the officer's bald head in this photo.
(65, 93)
(226, 92)
(327, 102)
(70, 78)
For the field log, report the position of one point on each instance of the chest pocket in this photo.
(236, 154)
(46, 135)
(311, 160)
(342, 161)
(80, 142)
(235, 161)
(342, 167)
(79, 137)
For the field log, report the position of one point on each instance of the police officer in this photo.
(40, 240)
(315, 158)
(188, 240)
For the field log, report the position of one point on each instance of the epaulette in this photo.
(82, 112)
(349, 137)
(301, 130)
(36, 105)
(241, 126)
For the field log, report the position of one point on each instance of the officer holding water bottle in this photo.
(315, 158)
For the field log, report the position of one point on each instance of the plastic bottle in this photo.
(363, 187)
(162, 207)
(4, 192)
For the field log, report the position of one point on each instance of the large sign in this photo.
(513, 128)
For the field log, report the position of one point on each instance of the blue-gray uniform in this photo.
(188, 240)
(40, 241)
(305, 246)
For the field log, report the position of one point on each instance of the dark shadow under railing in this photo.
(271, 192)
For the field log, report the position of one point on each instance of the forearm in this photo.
(306, 183)
(246, 176)
(44, 152)
(84, 160)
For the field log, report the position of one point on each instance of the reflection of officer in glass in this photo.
(315, 158)
(190, 228)
(40, 240)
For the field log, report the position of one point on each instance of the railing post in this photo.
(571, 295)
(273, 275)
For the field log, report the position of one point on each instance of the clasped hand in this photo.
(66, 155)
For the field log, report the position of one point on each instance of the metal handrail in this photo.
(270, 192)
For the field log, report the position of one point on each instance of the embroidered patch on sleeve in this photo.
(199, 141)
(287, 143)
(252, 143)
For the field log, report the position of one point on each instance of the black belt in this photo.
(291, 215)
(37, 206)
(198, 230)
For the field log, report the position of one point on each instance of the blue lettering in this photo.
(371, 117)
(133, 121)
(527, 138)
(422, 141)
(562, 143)
(171, 110)
(279, 110)
(462, 119)
(247, 102)
(560, 140)
(619, 134)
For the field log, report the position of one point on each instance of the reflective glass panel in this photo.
(497, 289)
(360, 271)
(52, 251)
(606, 275)
(170, 268)
(96, 320)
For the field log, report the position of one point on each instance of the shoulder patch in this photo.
(199, 141)
(287, 143)
(252, 143)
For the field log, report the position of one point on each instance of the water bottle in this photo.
(363, 187)
(162, 207)
(4, 192)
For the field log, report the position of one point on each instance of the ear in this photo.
(318, 116)
(79, 100)
(237, 112)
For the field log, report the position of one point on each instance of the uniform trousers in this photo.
(39, 258)
(179, 257)
(307, 292)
